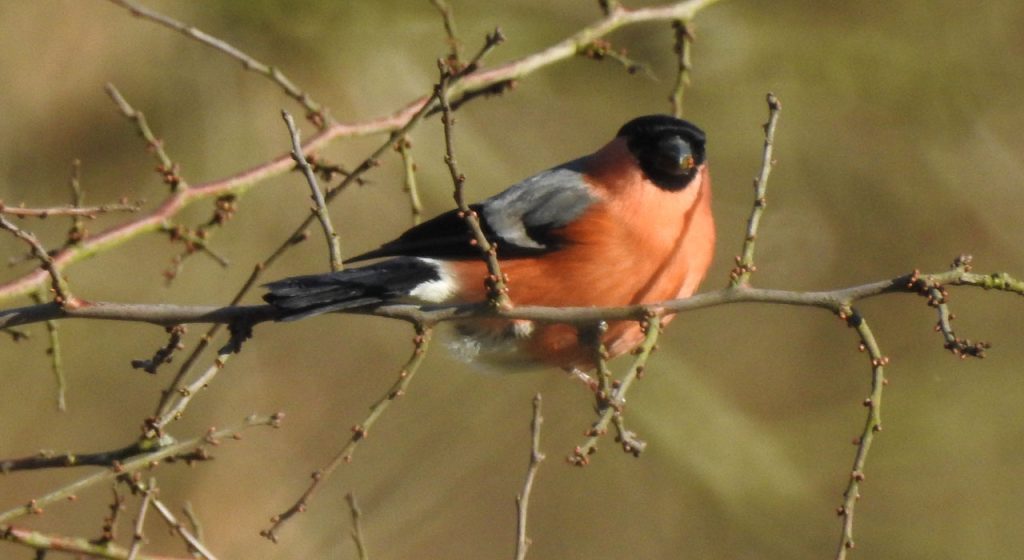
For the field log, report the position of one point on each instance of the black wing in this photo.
(523, 220)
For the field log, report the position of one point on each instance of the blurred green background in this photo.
(899, 147)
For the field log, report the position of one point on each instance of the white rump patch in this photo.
(436, 291)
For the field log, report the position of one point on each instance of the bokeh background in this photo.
(899, 148)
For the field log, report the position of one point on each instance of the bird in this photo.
(629, 224)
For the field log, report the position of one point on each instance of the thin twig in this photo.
(167, 169)
(454, 45)
(496, 282)
(601, 49)
(320, 206)
(603, 372)
(194, 544)
(740, 276)
(193, 519)
(62, 295)
(138, 539)
(109, 531)
(138, 462)
(872, 425)
(75, 545)
(938, 297)
(52, 460)
(164, 353)
(195, 242)
(73, 211)
(523, 499)
(683, 41)
(616, 403)
(359, 431)
(357, 529)
(77, 232)
(56, 358)
(404, 147)
(315, 112)
(154, 426)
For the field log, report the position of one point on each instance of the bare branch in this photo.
(871, 426)
(240, 331)
(616, 402)
(833, 300)
(601, 49)
(194, 544)
(193, 519)
(140, 520)
(77, 231)
(404, 147)
(320, 206)
(166, 168)
(56, 358)
(77, 545)
(62, 295)
(74, 211)
(496, 282)
(523, 499)
(357, 529)
(684, 38)
(138, 462)
(454, 45)
(315, 112)
(359, 432)
(164, 353)
(740, 276)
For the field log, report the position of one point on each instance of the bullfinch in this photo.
(628, 224)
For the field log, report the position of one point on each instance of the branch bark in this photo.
(833, 300)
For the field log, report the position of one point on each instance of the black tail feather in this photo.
(304, 296)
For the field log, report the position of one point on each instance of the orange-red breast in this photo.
(630, 223)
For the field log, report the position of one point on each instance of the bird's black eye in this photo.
(674, 156)
(668, 150)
